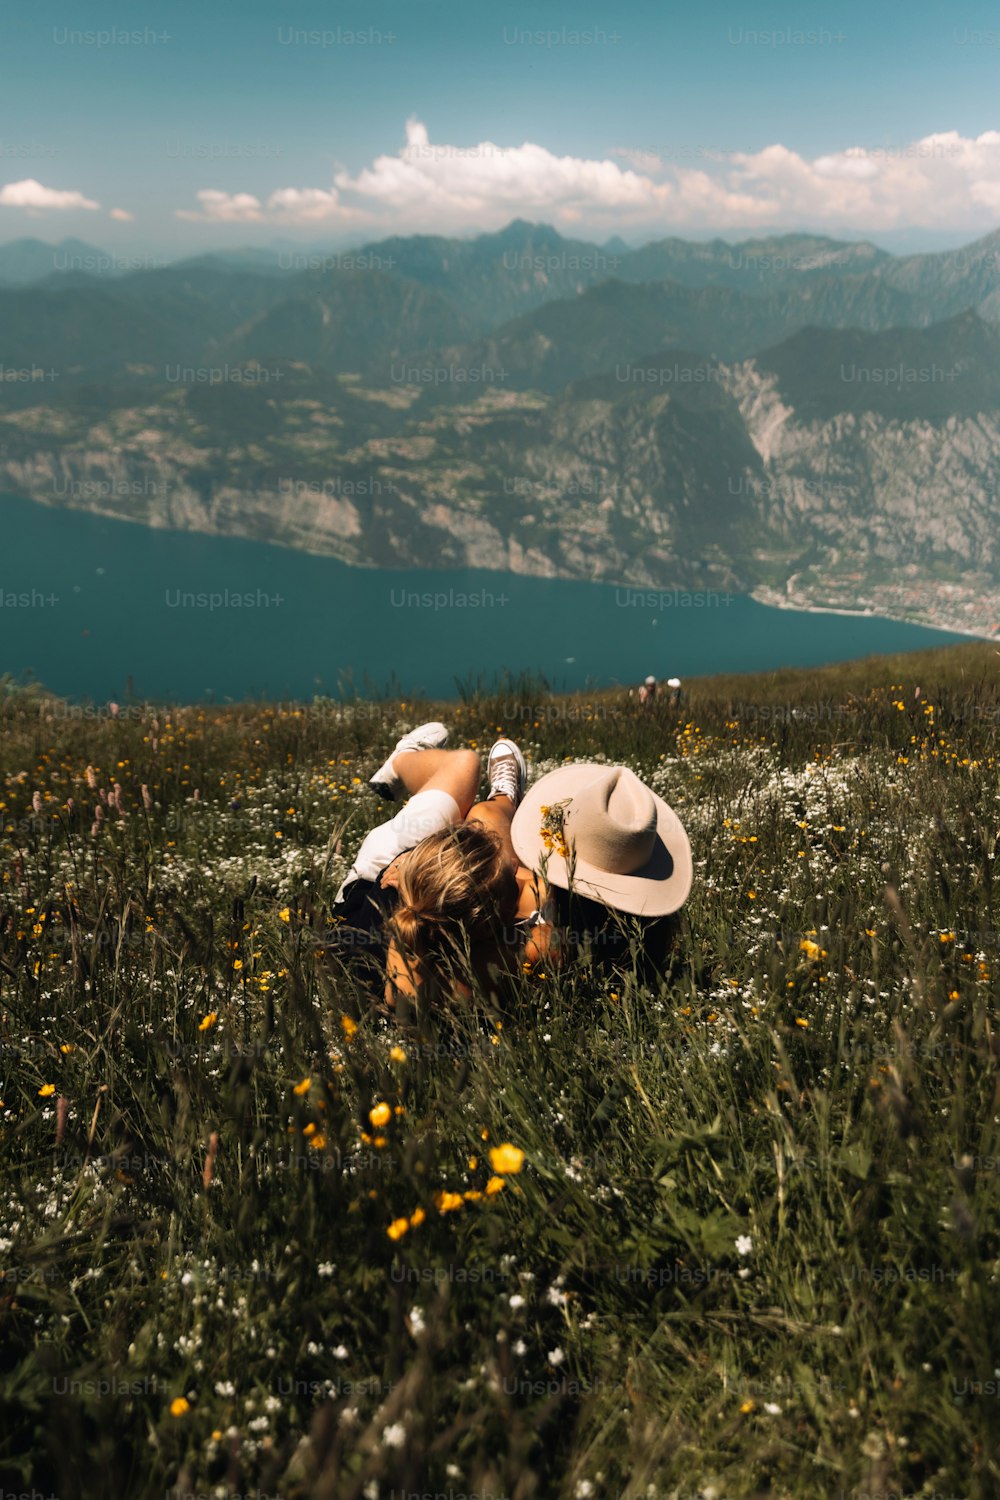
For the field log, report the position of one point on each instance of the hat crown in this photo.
(612, 822)
(600, 831)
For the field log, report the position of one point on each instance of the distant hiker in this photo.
(647, 693)
(674, 684)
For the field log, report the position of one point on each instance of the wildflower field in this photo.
(737, 1235)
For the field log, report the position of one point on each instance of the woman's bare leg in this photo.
(457, 772)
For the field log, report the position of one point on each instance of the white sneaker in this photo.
(506, 772)
(386, 782)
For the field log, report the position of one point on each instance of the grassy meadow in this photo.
(737, 1235)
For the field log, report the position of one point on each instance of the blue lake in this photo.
(94, 607)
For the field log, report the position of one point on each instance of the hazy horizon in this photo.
(912, 243)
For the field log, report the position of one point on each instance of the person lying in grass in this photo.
(462, 893)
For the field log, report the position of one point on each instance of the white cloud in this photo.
(940, 181)
(853, 165)
(284, 206)
(303, 204)
(489, 179)
(224, 206)
(32, 195)
(121, 214)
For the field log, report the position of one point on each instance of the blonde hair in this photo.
(455, 889)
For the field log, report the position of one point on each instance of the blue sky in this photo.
(641, 118)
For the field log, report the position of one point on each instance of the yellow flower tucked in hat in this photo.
(552, 832)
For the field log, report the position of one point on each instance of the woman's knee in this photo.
(468, 774)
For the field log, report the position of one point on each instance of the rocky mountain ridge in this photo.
(652, 433)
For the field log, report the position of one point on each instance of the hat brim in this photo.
(659, 887)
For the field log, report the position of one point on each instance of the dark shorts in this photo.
(357, 929)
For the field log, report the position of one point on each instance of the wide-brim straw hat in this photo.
(627, 846)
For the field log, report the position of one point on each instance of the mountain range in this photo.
(794, 416)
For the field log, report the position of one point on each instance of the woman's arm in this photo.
(403, 976)
(545, 943)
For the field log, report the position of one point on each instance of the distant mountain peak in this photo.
(28, 260)
(520, 232)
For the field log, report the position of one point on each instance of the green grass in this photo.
(817, 1076)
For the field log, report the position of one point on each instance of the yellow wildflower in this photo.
(208, 1021)
(398, 1228)
(380, 1114)
(506, 1158)
(46, 1089)
(303, 1087)
(180, 1406)
(495, 1185)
